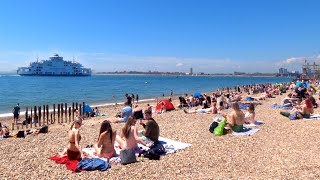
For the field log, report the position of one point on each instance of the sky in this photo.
(211, 36)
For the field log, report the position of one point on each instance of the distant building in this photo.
(191, 71)
(283, 71)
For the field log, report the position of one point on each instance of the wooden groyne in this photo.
(38, 116)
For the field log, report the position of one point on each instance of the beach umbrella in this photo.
(196, 95)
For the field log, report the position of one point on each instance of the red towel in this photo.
(70, 164)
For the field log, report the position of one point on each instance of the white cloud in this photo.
(179, 64)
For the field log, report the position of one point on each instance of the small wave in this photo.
(6, 115)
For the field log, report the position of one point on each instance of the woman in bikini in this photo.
(129, 136)
(105, 145)
(236, 118)
(73, 152)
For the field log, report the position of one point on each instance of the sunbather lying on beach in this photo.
(73, 152)
(105, 145)
(3, 130)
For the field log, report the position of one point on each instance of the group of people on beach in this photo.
(108, 139)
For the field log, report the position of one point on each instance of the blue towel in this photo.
(279, 106)
(93, 164)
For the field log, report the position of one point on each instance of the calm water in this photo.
(31, 91)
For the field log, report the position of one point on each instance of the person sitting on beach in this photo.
(151, 130)
(125, 113)
(288, 100)
(306, 109)
(213, 109)
(129, 136)
(105, 145)
(4, 131)
(250, 114)
(220, 107)
(73, 152)
(236, 119)
(137, 112)
(149, 108)
(163, 108)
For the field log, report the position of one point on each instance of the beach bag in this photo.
(213, 125)
(155, 151)
(20, 134)
(127, 156)
(218, 131)
(43, 129)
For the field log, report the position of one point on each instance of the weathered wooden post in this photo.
(31, 117)
(54, 114)
(69, 114)
(26, 116)
(59, 113)
(66, 112)
(35, 116)
(47, 109)
(39, 116)
(72, 111)
(44, 114)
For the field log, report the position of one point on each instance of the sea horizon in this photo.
(100, 90)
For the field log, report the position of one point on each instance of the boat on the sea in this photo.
(55, 66)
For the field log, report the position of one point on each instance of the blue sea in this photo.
(104, 89)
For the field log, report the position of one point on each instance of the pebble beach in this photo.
(281, 149)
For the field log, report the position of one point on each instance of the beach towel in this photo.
(244, 106)
(257, 123)
(70, 164)
(313, 117)
(92, 164)
(170, 145)
(246, 132)
(275, 106)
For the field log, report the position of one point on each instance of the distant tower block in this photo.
(191, 71)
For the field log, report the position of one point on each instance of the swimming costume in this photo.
(237, 128)
(73, 155)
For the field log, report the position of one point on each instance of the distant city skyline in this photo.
(207, 36)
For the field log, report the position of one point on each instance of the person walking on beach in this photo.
(16, 113)
(171, 93)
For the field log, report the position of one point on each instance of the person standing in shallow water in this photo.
(16, 113)
(137, 98)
